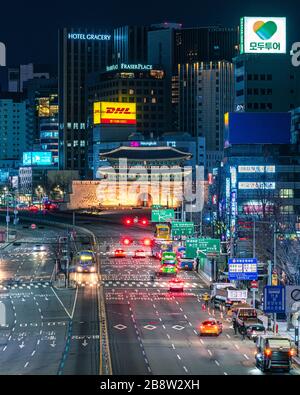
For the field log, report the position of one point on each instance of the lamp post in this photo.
(7, 214)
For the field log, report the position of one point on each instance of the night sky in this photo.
(29, 28)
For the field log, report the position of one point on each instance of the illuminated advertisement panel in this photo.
(256, 185)
(113, 113)
(256, 169)
(43, 158)
(263, 35)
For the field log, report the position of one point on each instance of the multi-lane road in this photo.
(151, 330)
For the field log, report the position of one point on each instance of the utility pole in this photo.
(254, 240)
(68, 260)
(275, 266)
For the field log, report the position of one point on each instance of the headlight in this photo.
(79, 269)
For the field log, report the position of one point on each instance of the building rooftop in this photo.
(146, 153)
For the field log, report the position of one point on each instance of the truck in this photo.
(244, 315)
(274, 353)
(226, 295)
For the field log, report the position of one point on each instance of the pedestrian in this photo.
(234, 326)
(243, 331)
(197, 264)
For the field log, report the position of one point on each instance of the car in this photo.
(177, 284)
(166, 269)
(211, 327)
(119, 253)
(139, 254)
(39, 248)
(33, 209)
(254, 330)
(186, 264)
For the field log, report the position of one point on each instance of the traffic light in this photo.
(147, 242)
(126, 241)
(128, 221)
(144, 221)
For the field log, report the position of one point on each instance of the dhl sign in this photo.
(113, 113)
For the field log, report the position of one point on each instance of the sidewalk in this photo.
(282, 326)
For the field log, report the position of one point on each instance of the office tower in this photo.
(81, 51)
(205, 94)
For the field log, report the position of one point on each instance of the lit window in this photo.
(287, 209)
(286, 193)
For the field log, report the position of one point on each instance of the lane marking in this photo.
(217, 363)
(246, 356)
(68, 314)
(209, 352)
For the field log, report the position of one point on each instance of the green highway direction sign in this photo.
(182, 228)
(162, 215)
(206, 246)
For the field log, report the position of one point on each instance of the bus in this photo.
(168, 263)
(162, 232)
(85, 262)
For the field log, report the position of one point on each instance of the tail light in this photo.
(292, 352)
(128, 221)
(268, 352)
(144, 221)
(126, 241)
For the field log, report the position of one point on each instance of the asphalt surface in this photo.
(151, 330)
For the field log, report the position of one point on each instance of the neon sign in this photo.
(83, 36)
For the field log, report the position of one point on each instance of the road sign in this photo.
(274, 299)
(182, 228)
(242, 269)
(162, 215)
(33, 226)
(254, 284)
(292, 298)
(196, 246)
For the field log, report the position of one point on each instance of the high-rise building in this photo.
(145, 87)
(80, 52)
(15, 128)
(2, 55)
(266, 82)
(212, 43)
(205, 94)
(130, 44)
(17, 76)
(42, 97)
(171, 45)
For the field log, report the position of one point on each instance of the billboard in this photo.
(114, 113)
(263, 35)
(257, 128)
(42, 158)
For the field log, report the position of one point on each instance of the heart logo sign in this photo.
(265, 30)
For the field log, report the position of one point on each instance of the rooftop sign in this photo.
(83, 36)
(125, 66)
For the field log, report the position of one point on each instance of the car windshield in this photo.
(257, 327)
